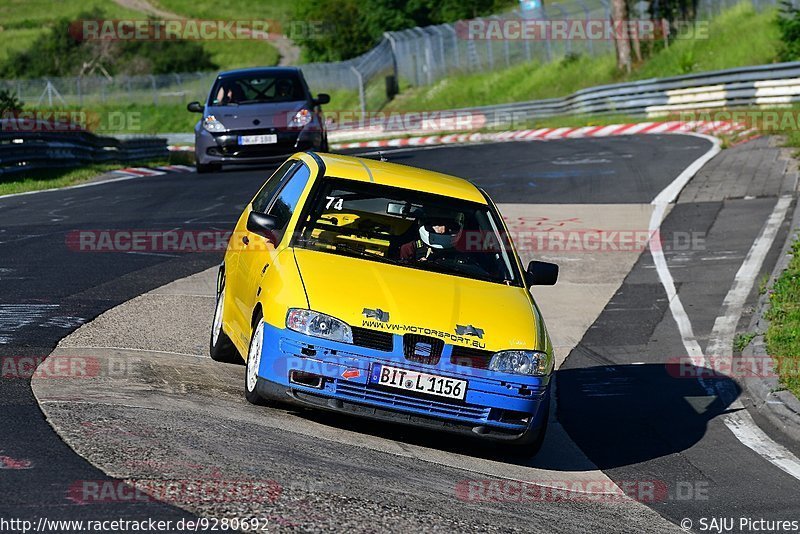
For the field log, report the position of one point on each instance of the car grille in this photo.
(469, 357)
(422, 349)
(366, 393)
(372, 339)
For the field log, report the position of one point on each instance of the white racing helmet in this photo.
(430, 235)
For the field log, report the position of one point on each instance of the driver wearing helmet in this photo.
(437, 235)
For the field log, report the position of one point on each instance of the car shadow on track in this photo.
(621, 415)
(617, 415)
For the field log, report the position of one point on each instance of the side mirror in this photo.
(261, 224)
(195, 107)
(322, 98)
(541, 273)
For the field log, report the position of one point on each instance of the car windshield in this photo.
(257, 89)
(410, 229)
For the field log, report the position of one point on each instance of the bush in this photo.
(352, 27)
(61, 52)
(789, 25)
(9, 102)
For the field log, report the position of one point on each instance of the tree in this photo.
(619, 18)
(9, 102)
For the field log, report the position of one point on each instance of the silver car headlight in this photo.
(211, 124)
(301, 118)
(318, 324)
(522, 362)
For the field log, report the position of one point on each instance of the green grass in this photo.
(240, 53)
(24, 20)
(783, 334)
(56, 178)
(281, 10)
(737, 37)
(742, 340)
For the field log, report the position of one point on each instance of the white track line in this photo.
(721, 340)
(740, 423)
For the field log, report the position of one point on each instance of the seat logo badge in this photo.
(423, 350)
(469, 330)
(379, 314)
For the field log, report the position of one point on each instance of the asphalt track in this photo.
(629, 417)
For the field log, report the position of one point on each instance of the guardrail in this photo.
(774, 85)
(37, 149)
(763, 85)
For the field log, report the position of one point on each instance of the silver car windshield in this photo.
(257, 89)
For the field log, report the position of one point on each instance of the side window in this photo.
(288, 198)
(264, 197)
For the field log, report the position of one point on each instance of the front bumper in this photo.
(335, 376)
(225, 147)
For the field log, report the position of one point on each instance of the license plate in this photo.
(441, 386)
(266, 139)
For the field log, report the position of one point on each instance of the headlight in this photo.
(317, 324)
(301, 118)
(211, 124)
(521, 362)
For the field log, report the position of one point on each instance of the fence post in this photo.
(489, 50)
(155, 90)
(564, 17)
(548, 52)
(586, 15)
(455, 45)
(523, 16)
(362, 98)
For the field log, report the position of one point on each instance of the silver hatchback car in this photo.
(258, 115)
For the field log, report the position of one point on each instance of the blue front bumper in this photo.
(337, 376)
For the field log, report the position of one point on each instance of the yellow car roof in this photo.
(402, 176)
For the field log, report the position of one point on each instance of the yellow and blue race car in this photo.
(385, 291)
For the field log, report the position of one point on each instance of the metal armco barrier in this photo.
(772, 85)
(775, 85)
(36, 149)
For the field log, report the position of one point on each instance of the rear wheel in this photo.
(253, 364)
(221, 347)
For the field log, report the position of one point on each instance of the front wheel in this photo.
(204, 168)
(533, 440)
(253, 363)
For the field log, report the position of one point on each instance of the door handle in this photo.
(245, 240)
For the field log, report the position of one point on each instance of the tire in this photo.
(205, 168)
(253, 361)
(221, 348)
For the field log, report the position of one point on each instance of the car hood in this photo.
(273, 115)
(360, 291)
